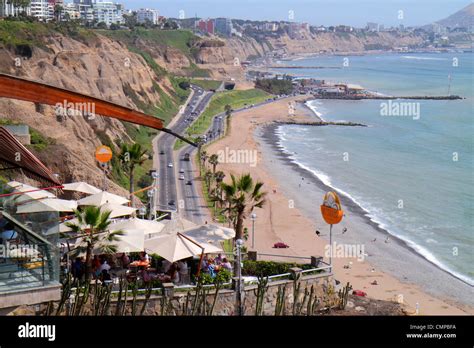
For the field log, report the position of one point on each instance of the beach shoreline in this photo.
(268, 133)
(296, 225)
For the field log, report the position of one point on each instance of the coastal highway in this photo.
(191, 206)
(163, 150)
(182, 195)
(189, 198)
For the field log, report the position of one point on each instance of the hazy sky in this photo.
(326, 12)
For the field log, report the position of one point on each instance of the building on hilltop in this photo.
(223, 26)
(107, 12)
(41, 10)
(374, 27)
(145, 14)
(206, 26)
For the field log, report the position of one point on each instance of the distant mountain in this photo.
(462, 19)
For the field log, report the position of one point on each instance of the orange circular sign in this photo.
(331, 209)
(103, 154)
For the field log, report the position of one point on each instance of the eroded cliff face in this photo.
(103, 69)
(343, 42)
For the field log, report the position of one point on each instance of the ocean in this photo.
(414, 173)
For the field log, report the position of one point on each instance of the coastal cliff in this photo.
(94, 65)
(135, 68)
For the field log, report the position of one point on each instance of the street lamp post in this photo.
(155, 177)
(253, 217)
(238, 271)
(151, 197)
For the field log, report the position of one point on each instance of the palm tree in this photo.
(204, 158)
(219, 176)
(208, 176)
(242, 196)
(214, 160)
(228, 110)
(91, 228)
(132, 156)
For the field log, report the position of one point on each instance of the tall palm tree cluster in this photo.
(237, 199)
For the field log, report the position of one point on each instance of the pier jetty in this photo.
(320, 123)
(379, 97)
(301, 67)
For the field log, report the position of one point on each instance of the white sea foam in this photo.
(374, 215)
(313, 105)
(423, 58)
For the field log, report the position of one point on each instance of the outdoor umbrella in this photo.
(128, 242)
(147, 226)
(102, 198)
(62, 227)
(28, 196)
(174, 247)
(177, 225)
(117, 210)
(82, 187)
(47, 205)
(211, 234)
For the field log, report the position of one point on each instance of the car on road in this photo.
(181, 177)
(181, 171)
(162, 152)
(170, 165)
(172, 202)
(189, 182)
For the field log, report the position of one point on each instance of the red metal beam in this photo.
(17, 88)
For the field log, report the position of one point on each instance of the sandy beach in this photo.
(292, 215)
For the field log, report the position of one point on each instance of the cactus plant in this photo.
(260, 294)
(296, 292)
(343, 294)
(147, 297)
(280, 301)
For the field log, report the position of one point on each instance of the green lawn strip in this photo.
(236, 99)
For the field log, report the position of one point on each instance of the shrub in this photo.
(223, 276)
(269, 268)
